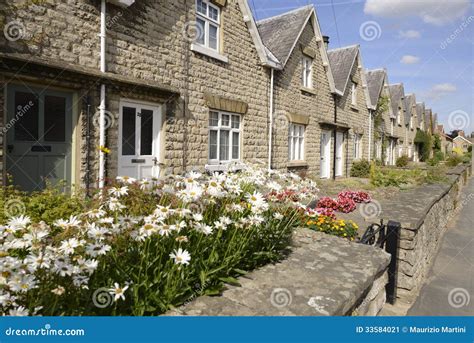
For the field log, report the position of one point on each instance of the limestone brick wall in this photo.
(291, 99)
(151, 41)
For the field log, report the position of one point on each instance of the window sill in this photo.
(209, 52)
(225, 167)
(354, 108)
(311, 91)
(297, 164)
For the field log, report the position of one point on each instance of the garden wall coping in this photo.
(323, 276)
(410, 207)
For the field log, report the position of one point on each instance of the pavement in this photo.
(449, 288)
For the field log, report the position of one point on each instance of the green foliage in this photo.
(437, 158)
(387, 177)
(436, 143)
(453, 160)
(469, 148)
(360, 169)
(425, 141)
(402, 161)
(47, 205)
(467, 158)
(382, 108)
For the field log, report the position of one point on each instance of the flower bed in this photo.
(142, 247)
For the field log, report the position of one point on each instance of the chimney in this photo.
(461, 133)
(326, 41)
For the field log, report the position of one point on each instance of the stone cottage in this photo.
(397, 96)
(410, 127)
(303, 93)
(352, 106)
(96, 89)
(378, 86)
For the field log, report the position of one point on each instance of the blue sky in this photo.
(426, 44)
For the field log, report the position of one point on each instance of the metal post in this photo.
(391, 247)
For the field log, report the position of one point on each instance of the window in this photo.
(208, 24)
(357, 146)
(411, 123)
(224, 137)
(307, 72)
(391, 126)
(296, 142)
(399, 117)
(354, 93)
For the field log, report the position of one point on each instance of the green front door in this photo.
(39, 137)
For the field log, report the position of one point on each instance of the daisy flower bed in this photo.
(144, 247)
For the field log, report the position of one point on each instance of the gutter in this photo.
(335, 139)
(370, 134)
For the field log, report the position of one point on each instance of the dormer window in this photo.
(307, 72)
(208, 24)
(353, 93)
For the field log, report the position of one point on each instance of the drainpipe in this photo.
(370, 134)
(103, 32)
(270, 140)
(335, 138)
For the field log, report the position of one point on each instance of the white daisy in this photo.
(180, 256)
(118, 292)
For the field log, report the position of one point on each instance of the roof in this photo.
(420, 112)
(397, 95)
(342, 62)
(375, 83)
(463, 138)
(280, 33)
(410, 101)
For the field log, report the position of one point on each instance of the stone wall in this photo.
(323, 276)
(425, 214)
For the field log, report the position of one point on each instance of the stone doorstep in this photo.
(323, 276)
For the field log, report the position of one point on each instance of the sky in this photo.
(428, 45)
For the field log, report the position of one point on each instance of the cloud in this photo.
(409, 59)
(409, 34)
(440, 90)
(430, 11)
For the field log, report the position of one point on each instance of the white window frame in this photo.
(307, 72)
(399, 117)
(353, 93)
(357, 146)
(220, 128)
(411, 123)
(208, 22)
(296, 137)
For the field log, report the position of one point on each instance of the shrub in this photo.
(403, 161)
(346, 229)
(467, 158)
(453, 160)
(360, 169)
(425, 141)
(118, 257)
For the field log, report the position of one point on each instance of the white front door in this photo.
(325, 154)
(339, 153)
(139, 140)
